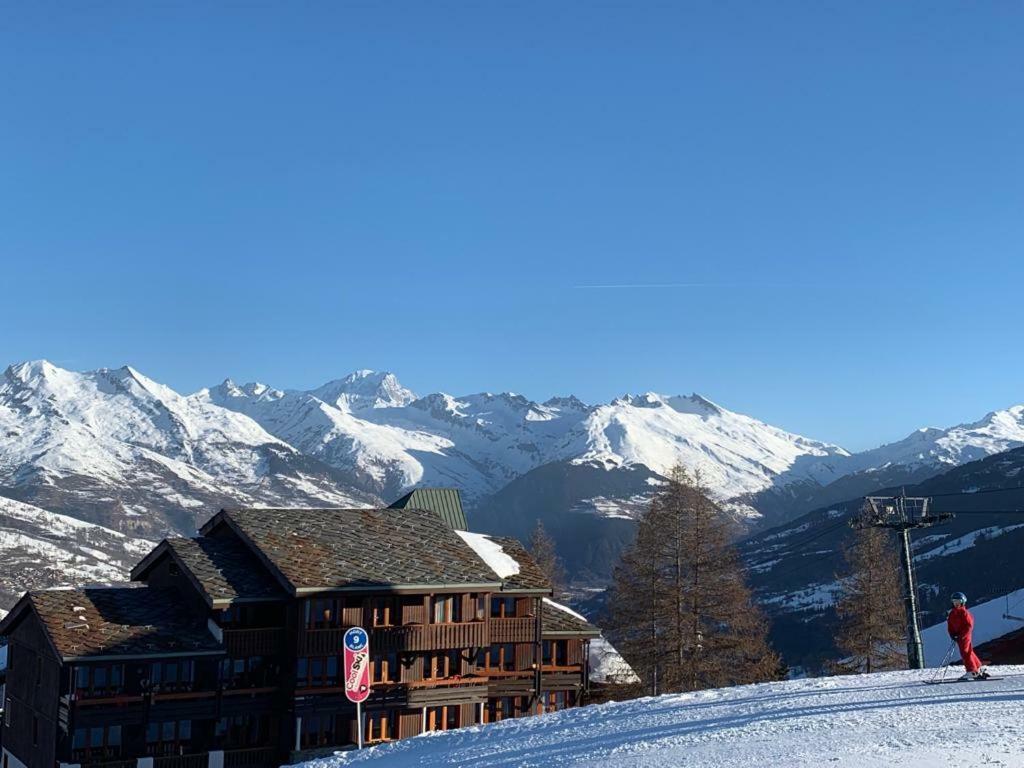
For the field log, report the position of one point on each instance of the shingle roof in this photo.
(530, 575)
(444, 502)
(120, 621)
(359, 548)
(557, 620)
(223, 568)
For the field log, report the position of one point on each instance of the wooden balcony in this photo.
(522, 630)
(415, 637)
(242, 643)
(263, 757)
(199, 760)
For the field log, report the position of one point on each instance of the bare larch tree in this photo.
(871, 633)
(680, 609)
(542, 547)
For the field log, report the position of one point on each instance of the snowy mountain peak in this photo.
(365, 389)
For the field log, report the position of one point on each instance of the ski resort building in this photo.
(225, 651)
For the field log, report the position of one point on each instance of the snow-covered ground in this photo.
(888, 719)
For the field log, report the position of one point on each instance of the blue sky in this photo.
(812, 211)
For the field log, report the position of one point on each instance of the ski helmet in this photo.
(959, 596)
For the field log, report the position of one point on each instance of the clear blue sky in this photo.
(827, 199)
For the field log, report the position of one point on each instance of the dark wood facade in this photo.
(267, 686)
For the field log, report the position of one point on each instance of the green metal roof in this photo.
(444, 502)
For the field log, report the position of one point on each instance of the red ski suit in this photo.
(959, 625)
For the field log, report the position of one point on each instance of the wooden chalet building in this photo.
(226, 650)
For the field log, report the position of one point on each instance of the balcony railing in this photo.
(242, 643)
(522, 630)
(250, 758)
(200, 760)
(415, 637)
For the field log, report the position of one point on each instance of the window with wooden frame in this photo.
(385, 668)
(479, 603)
(324, 612)
(443, 718)
(502, 657)
(498, 709)
(100, 680)
(175, 675)
(446, 609)
(98, 742)
(384, 612)
(555, 653)
(241, 731)
(553, 701)
(169, 737)
(503, 607)
(441, 664)
(316, 672)
(380, 726)
(324, 730)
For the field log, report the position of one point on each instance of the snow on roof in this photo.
(988, 625)
(853, 721)
(608, 666)
(566, 608)
(491, 553)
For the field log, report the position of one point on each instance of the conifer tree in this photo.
(871, 633)
(542, 548)
(680, 610)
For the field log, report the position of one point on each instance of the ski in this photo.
(958, 680)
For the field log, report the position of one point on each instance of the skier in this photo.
(959, 624)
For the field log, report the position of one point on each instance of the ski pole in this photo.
(944, 663)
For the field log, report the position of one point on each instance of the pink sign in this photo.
(357, 665)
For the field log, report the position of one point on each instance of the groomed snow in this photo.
(491, 553)
(860, 721)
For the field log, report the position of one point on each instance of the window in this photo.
(553, 701)
(101, 680)
(446, 609)
(325, 612)
(385, 669)
(503, 607)
(443, 718)
(250, 672)
(98, 742)
(502, 657)
(324, 731)
(442, 664)
(243, 731)
(317, 672)
(555, 653)
(168, 737)
(380, 726)
(177, 675)
(500, 709)
(384, 612)
(479, 607)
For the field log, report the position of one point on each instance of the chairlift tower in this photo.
(903, 513)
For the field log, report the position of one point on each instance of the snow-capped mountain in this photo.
(117, 448)
(41, 549)
(370, 424)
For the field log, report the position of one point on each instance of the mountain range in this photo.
(119, 450)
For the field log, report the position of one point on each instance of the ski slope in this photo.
(858, 721)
